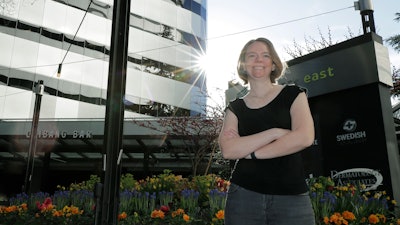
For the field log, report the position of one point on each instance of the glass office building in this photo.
(166, 37)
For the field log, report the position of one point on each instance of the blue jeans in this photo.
(244, 207)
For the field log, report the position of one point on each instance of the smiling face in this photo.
(257, 57)
(258, 62)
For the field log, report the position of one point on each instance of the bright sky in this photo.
(231, 23)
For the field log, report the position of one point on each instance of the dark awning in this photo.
(78, 145)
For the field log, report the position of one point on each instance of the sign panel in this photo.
(351, 135)
(329, 71)
(348, 89)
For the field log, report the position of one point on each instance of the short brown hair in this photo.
(279, 67)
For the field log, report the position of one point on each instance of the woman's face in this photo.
(258, 61)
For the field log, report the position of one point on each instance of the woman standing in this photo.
(264, 132)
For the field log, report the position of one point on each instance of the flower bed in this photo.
(163, 199)
(350, 204)
(171, 199)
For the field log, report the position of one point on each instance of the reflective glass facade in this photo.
(165, 38)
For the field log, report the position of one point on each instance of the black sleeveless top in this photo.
(283, 175)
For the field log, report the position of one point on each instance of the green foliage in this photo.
(88, 185)
(394, 40)
(128, 182)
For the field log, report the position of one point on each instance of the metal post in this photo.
(39, 89)
(113, 129)
(367, 15)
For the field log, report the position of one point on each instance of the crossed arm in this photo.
(271, 143)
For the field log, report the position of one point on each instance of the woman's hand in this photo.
(234, 146)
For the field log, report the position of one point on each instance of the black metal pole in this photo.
(367, 15)
(113, 129)
(39, 88)
(367, 18)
